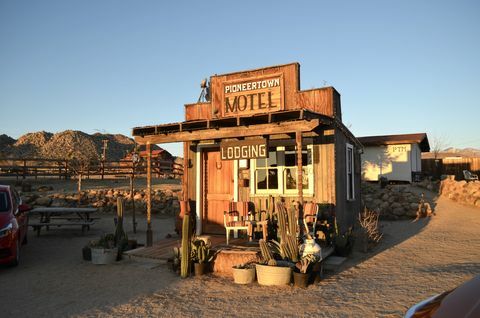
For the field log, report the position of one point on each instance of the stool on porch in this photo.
(235, 219)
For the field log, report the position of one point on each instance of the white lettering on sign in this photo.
(250, 86)
(230, 151)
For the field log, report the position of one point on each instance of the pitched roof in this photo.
(420, 139)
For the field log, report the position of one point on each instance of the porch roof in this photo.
(283, 122)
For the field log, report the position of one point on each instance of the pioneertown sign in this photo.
(259, 95)
(244, 149)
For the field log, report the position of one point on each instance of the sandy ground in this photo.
(414, 261)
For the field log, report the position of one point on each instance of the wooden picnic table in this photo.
(59, 216)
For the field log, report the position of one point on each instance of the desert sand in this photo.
(413, 261)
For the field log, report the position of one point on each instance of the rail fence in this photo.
(62, 169)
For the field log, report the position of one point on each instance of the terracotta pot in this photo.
(243, 275)
(199, 268)
(301, 279)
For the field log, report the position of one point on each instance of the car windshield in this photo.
(4, 202)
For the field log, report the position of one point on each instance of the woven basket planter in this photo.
(243, 275)
(273, 275)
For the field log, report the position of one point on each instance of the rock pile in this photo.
(393, 202)
(461, 191)
(432, 185)
(163, 201)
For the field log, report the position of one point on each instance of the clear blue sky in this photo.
(109, 66)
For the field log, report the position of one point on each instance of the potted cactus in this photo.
(104, 250)
(200, 255)
(271, 271)
(244, 273)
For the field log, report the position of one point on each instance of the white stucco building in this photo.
(396, 157)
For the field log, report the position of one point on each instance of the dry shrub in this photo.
(368, 220)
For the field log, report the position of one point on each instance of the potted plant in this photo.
(271, 271)
(244, 273)
(104, 250)
(301, 274)
(200, 255)
(87, 250)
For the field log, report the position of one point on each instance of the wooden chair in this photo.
(235, 219)
(310, 216)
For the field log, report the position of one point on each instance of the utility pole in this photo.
(104, 155)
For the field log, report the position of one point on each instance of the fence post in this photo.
(24, 169)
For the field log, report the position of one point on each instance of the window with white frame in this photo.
(278, 173)
(350, 173)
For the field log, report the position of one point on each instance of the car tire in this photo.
(17, 255)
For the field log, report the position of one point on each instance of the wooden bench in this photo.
(38, 225)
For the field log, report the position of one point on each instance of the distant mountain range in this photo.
(66, 144)
(454, 152)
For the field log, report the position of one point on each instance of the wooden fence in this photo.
(60, 168)
(451, 166)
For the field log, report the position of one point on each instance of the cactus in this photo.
(292, 220)
(201, 252)
(288, 246)
(185, 262)
(282, 220)
(267, 254)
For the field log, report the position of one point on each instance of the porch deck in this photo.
(161, 250)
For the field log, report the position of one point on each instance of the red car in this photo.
(13, 225)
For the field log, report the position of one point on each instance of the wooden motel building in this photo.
(259, 138)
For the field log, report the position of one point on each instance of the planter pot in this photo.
(199, 268)
(87, 253)
(102, 256)
(243, 275)
(273, 275)
(301, 279)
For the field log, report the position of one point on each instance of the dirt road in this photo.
(414, 261)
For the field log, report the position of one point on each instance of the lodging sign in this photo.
(256, 95)
(244, 149)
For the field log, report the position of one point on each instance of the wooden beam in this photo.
(232, 132)
(149, 195)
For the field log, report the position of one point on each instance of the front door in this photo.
(218, 186)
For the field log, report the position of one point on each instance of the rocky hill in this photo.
(453, 152)
(66, 144)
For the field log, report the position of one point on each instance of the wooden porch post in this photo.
(298, 139)
(185, 172)
(149, 195)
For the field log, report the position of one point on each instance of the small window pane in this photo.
(261, 162)
(272, 159)
(290, 159)
(305, 178)
(290, 178)
(261, 179)
(272, 179)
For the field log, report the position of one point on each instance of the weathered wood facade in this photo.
(306, 140)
